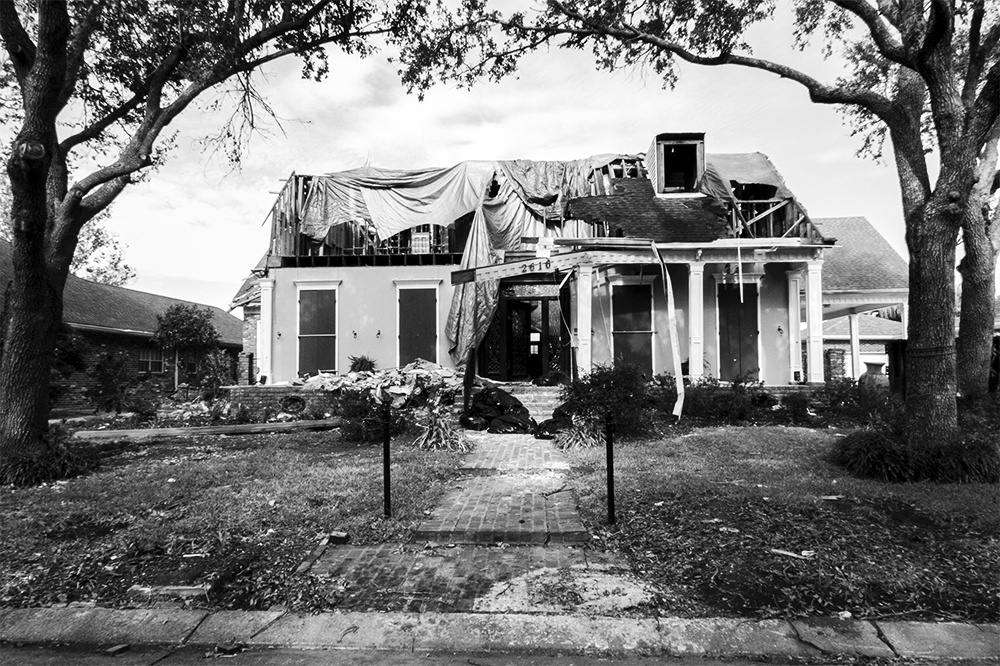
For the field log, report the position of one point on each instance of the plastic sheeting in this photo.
(723, 169)
(530, 201)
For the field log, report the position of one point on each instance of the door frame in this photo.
(421, 283)
(633, 280)
(753, 280)
(317, 285)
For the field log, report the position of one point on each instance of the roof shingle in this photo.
(87, 303)
(862, 259)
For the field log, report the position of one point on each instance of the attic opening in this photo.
(678, 162)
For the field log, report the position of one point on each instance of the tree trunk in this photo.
(33, 315)
(975, 332)
(931, 411)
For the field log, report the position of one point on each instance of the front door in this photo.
(738, 358)
(527, 339)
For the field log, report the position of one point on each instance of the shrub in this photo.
(361, 363)
(112, 382)
(882, 453)
(440, 433)
(364, 418)
(797, 406)
(620, 390)
(587, 432)
(58, 462)
(744, 400)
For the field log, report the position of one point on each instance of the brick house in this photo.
(118, 320)
(676, 260)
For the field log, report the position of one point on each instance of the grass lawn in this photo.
(239, 513)
(699, 515)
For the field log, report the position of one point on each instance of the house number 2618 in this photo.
(536, 266)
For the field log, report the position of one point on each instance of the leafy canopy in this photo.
(186, 328)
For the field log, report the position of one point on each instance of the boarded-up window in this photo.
(632, 324)
(417, 325)
(317, 330)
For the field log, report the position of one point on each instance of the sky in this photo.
(194, 229)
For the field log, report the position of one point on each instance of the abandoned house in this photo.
(677, 260)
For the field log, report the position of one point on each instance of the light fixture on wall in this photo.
(354, 333)
(780, 331)
(378, 334)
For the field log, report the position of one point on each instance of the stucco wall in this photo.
(367, 312)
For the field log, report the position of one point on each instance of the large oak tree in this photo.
(923, 75)
(98, 82)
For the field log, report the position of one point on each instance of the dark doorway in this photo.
(738, 333)
(527, 339)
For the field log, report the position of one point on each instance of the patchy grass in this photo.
(239, 513)
(699, 515)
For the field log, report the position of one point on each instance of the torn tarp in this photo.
(724, 169)
(529, 201)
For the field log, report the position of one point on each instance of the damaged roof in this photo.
(634, 209)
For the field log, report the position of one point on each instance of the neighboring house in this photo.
(676, 261)
(119, 320)
(864, 273)
(873, 337)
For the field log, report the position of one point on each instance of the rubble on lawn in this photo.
(420, 378)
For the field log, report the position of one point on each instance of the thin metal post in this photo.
(609, 440)
(386, 485)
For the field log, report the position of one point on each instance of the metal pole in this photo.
(386, 501)
(609, 440)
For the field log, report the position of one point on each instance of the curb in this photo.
(507, 633)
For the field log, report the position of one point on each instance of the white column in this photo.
(696, 318)
(584, 318)
(814, 321)
(794, 326)
(904, 315)
(852, 325)
(265, 340)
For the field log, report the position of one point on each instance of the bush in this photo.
(742, 401)
(620, 390)
(58, 462)
(882, 453)
(361, 363)
(112, 382)
(364, 418)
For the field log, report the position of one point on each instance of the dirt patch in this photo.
(588, 590)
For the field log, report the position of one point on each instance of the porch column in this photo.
(584, 318)
(696, 318)
(266, 329)
(852, 325)
(794, 325)
(814, 321)
(904, 317)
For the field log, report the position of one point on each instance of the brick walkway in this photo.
(441, 578)
(507, 538)
(518, 495)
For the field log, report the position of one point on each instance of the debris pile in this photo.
(419, 382)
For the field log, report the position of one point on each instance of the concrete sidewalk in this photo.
(500, 633)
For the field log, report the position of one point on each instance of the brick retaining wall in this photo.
(259, 397)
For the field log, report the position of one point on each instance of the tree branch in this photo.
(818, 91)
(16, 41)
(888, 44)
(99, 126)
(78, 44)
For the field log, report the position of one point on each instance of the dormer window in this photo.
(676, 162)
